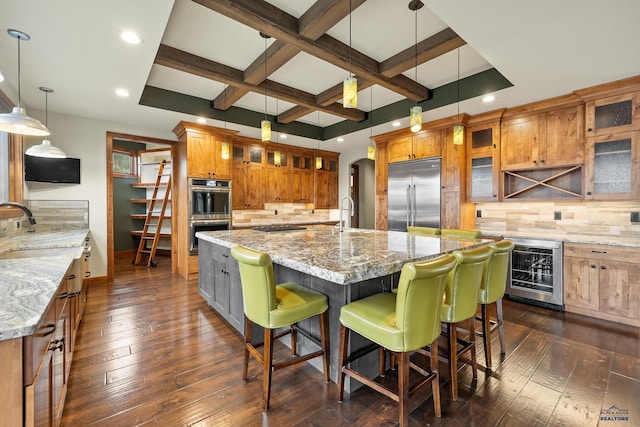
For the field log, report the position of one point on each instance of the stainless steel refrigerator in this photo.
(414, 194)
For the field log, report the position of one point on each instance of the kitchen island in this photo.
(345, 266)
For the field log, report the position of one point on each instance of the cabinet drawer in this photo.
(603, 252)
(36, 345)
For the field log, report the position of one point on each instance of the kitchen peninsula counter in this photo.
(344, 266)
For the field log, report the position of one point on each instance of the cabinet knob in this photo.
(541, 161)
(535, 162)
(590, 130)
(604, 267)
(593, 266)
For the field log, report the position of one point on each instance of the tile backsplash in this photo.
(52, 214)
(282, 213)
(610, 220)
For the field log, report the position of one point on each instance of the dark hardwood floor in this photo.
(151, 352)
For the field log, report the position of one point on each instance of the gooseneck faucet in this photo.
(24, 209)
(350, 212)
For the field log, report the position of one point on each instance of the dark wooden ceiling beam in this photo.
(319, 18)
(428, 49)
(270, 20)
(189, 63)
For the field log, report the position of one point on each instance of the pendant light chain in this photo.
(458, 87)
(19, 70)
(265, 78)
(350, 74)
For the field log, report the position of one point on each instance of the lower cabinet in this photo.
(219, 282)
(603, 281)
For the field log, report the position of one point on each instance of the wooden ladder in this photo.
(152, 215)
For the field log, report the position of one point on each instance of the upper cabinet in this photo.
(301, 177)
(552, 138)
(420, 146)
(202, 146)
(612, 114)
(278, 177)
(326, 181)
(483, 157)
(248, 176)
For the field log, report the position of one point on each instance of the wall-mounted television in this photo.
(44, 169)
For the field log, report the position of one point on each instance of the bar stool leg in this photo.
(500, 328)
(403, 387)
(268, 361)
(294, 339)
(324, 340)
(342, 357)
(486, 335)
(472, 349)
(435, 385)
(247, 343)
(452, 332)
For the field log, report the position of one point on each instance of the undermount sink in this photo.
(38, 253)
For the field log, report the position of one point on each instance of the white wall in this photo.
(86, 139)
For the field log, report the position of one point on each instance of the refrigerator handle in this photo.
(415, 205)
(409, 207)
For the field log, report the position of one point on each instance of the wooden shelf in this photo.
(145, 200)
(148, 185)
(139, 233)
(544, 183)
(144, 216)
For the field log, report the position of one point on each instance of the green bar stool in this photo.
(401, 322)
(494, 282)
(460, 304)
(276, 306)
(461, 234)
(427, 231)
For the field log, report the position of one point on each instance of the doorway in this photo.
(362, 189)
(119, 183)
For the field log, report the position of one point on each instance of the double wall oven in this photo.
(209, 207)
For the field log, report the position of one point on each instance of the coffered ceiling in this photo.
(193, 50)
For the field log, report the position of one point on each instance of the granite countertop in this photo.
(560, 237)
(343, 258)
(29, 284)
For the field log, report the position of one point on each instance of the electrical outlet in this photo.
(478, 213)
(313, 211)
(18, 224)
(276, 212)
(557, 216)
(635, 216)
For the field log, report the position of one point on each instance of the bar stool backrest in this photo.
(461, 234)
(463, 284)
(419, 300)
(494, 280)
(258, 284)
(427, 231)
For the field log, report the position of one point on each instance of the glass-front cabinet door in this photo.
(619, 113)
(483, 163)
(611, 166)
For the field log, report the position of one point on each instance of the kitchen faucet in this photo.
(349, 211)
(24, 209)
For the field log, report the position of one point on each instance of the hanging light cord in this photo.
(225, 112)
(350, 38)
(416, 48)
(458, 84)
(46, 107)
(265, 78)
(18, 37)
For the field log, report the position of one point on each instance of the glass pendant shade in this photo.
(225, 150)
(45, 150)
(458, 135)
(415, 119)
(276, 158)
(371, 152)
(265, 128)
(350, 92)
(318, 162)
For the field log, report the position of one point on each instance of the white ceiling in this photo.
(546, 48)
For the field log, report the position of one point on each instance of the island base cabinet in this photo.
(603, 282)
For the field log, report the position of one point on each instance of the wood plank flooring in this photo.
(150, 352)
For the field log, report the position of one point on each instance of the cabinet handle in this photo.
(71, 277)
(599, 252)
(535, 162)
(64, 295)
(593, 266)
(590, 130)
(57, 345)
(604, 267)
(87, 274)
(51, 329)
(542, 161)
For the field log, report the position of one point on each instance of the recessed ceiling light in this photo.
(1, 77)
(123, 93)
(201, 120)
(488, 98)
(395, 124)
(130, 37)
(340, 139)
(283, 135)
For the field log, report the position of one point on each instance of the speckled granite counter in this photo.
(560, 237)
(339, 257)
(28, 284)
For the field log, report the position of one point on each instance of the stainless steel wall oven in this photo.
(209, 207)
(535, 273)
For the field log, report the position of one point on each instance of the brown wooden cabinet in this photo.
(483, 162)
(548, 139)
(248, 176)
(613, 114)
(612, 167)
(301, 177)
(326, 182)
(277, 177)
(427, 143)
(602, 281)
(204, 157)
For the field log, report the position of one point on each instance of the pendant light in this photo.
(225, 149)
(458, 130)
(371, 149)
(17, 120)
(350, 84)
(318, 158)
(46, 149)
(415, 113)
(277, 159)
(265, 125)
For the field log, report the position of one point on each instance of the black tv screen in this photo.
(44, 169)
